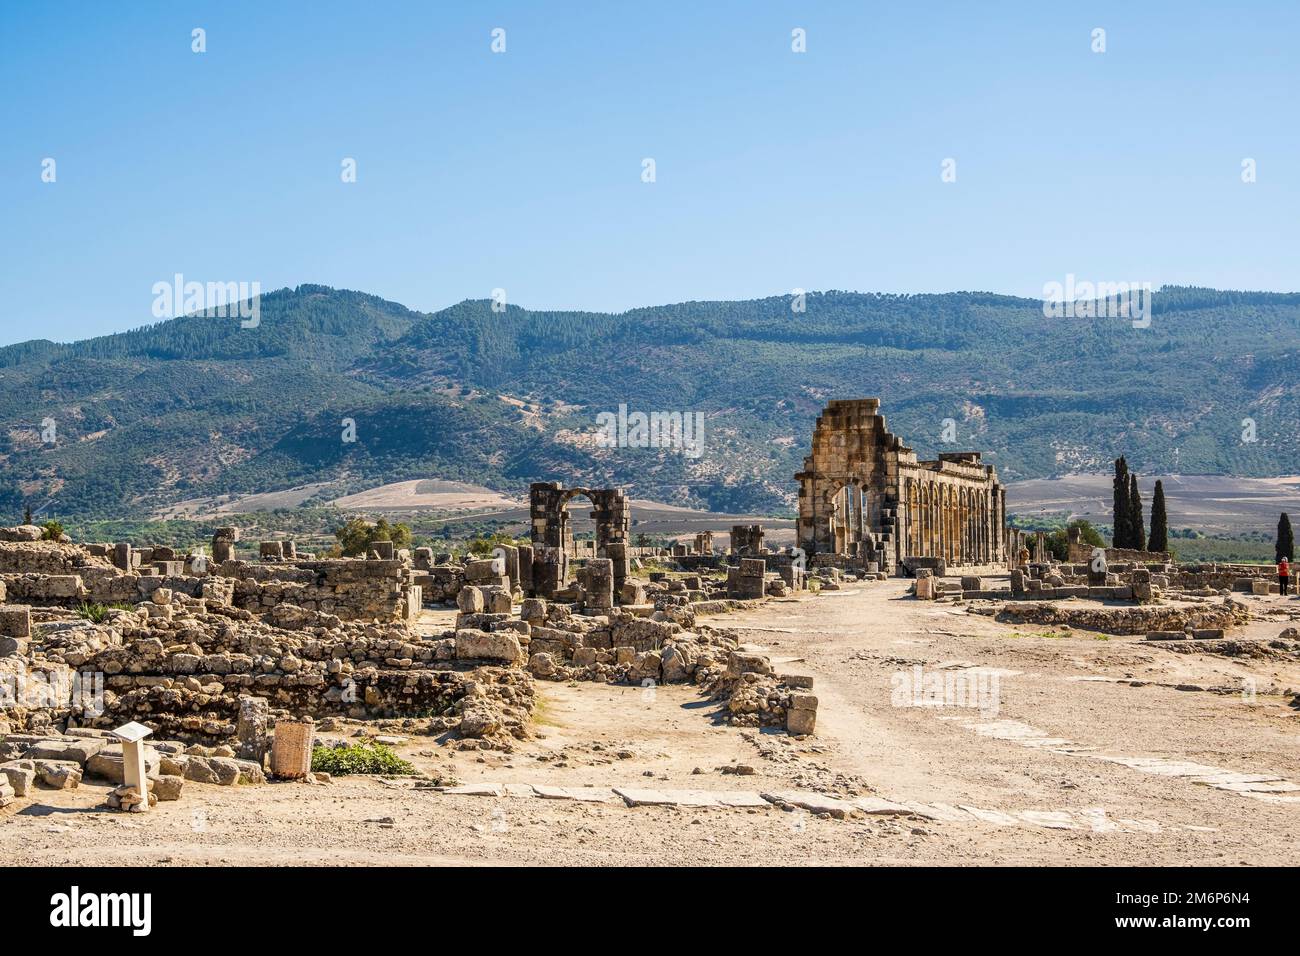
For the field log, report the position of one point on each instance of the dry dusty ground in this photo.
(1056, 803)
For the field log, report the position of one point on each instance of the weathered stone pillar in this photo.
(526, 568)
(508, 555)
(122, 555)
(291, 748)
(134, 769)
(620, 563)
(924, 585)
(223, 544)
(598, 584)
(550, 566)
(254, 715)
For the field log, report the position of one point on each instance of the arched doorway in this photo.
(553, 538)
(847, 517)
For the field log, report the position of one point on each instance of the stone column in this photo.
(134, 771)
(620, 562)
(223, 544)
(963, 522)
(933, 547)
(254, 714)
(984, 528)
(122, 556)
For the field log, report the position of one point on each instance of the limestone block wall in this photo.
(41, 557)
(350, 589)
(185, 676)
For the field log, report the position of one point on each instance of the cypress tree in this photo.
(1159, 540)
(1136, 530)
(1285, 546)
(27, 514)
(1120, 536)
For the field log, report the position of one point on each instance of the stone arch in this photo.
(851, 503)
(851, 507)
(553, 537)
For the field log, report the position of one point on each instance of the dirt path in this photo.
(1071, 688)
(1066, 762)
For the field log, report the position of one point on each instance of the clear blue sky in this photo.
(775, 170)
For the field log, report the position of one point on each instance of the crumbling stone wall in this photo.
(194, 653)
(1127, 620)
(747, 539)
(41, 557)
(1221, 577)
(670, 647)
(185, 674)
(52, 573)
(350, 589)
(1080, 552)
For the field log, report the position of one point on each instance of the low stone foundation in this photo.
(1125, 620)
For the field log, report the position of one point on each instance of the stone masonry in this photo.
(864, 497)
(553, 543)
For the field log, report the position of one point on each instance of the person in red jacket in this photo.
(1284, 575)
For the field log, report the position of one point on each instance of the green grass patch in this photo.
(360, 758)
(99, 612)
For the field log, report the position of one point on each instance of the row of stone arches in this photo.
(945, 520)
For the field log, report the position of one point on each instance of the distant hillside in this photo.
(197, 406)
(1207, 504)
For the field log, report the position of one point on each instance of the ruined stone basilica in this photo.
(864, 495)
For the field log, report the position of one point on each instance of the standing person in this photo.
(1283, 575)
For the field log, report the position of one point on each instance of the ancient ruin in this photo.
(553, 544)
(147, 670)
(220, 657)
(865, 498)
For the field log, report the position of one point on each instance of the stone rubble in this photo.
(210, 654)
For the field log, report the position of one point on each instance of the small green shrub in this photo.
(98, 612)
(51, 531)
(358, 535)
(485, 547)
(360, 758)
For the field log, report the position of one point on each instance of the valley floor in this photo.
(1091, 757)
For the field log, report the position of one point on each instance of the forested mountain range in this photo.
(198, 406)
